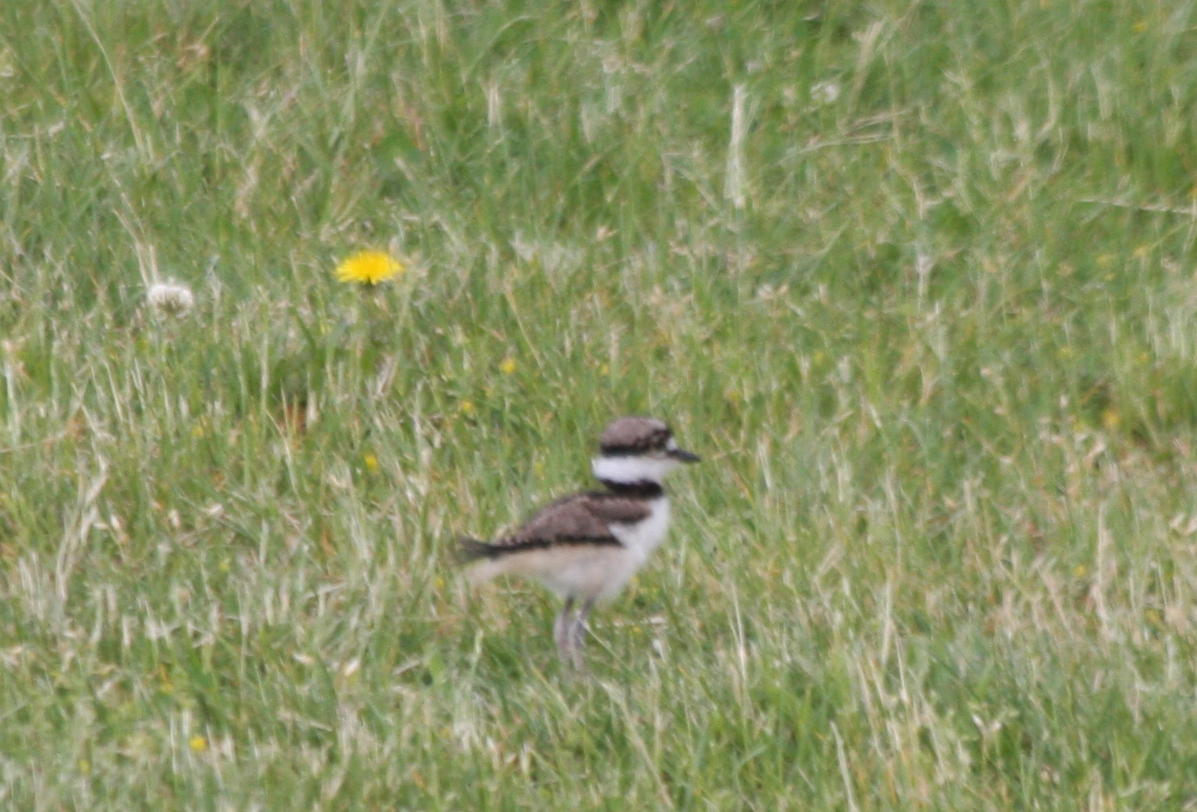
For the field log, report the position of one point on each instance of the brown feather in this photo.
(582, 517)
(634, 435)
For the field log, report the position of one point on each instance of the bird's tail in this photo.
(470, 550)
(483, 561)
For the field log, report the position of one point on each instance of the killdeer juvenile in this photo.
(586, 546)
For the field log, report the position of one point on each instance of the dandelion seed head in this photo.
(170, 298)
(369, 268)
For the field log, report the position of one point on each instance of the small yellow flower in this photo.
(1111, 419)
(371, 462)
(507, 365)
(369, 268)
(197, 743)
(467, 408)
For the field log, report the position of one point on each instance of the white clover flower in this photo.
(825, 92)
(170, 298)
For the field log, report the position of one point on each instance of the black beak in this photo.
(683, 456)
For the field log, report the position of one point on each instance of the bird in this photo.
(586, 546)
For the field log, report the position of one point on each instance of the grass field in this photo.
(916, 278)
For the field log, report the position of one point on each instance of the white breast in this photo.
(642, 538)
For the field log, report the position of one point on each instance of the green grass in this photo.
(936, 338)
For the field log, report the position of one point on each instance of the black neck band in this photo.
(641, 488)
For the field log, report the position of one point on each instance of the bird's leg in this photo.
(578, 632)
(562, 631)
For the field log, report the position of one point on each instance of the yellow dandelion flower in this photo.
(369, 268)
(507, 365)
(1111, 419)
(198, 744)
(467, 408)
(371, 462)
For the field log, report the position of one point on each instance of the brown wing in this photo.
(579, 519)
